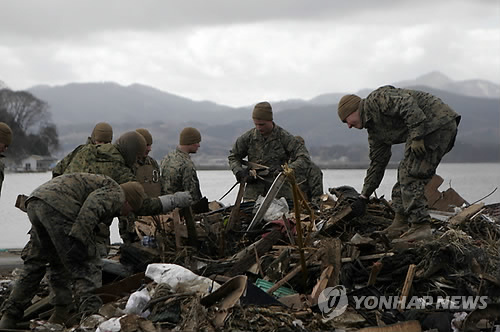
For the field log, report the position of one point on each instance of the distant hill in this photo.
(77, 107)
(437, 80)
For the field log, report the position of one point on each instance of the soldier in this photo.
(116, 161)
(310, 181)
(426, 125)
(5, 141)
(101, 134)
(177, 169)
(269, 145)
(148, 174)
(65, 212)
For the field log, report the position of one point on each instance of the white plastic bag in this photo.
(179, 279)
(276, 209)
(137, 302)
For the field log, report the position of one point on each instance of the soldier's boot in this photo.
(60, 314)
(8, 322)
(399, 226)
(417, 232)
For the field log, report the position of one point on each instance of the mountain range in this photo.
(77, 107)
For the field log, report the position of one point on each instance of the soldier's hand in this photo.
(77, 251)
(242, 175)
(418, 147)
(358, 207)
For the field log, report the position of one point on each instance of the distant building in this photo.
(35, 163)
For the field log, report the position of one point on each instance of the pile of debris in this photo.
(319, 268)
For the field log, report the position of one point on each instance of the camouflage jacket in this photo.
(311, 181)
(393, 116)
(277, 149)
(105, 159)
(2, 176)
(179, 174)
(61, 166)
(86, 199)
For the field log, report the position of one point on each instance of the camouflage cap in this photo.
(263, 111)
(189, 135)
(134, 194)
(103, 132)
(5, 134)
(348, 104)
(131, 145)
(146, 134)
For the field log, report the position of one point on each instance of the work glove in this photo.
(180, 199)
(358, 207)
(275, 170)
(77, 251)
(242, 175)
(418, 147)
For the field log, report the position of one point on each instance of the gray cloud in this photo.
(236, 52)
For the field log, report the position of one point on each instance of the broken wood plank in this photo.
(368, 257)
(291, 274)
(465, 214)
(246, 257)
(177, 229)
(332, 255)
(321, 284)
(406, 286)
(191, 227)
(234, 217)
(376, 267)
(337, 217)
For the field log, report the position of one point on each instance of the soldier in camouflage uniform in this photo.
(270, 145)
(311, 180)
(35, 264)
(116, 161)
(5, 141)
(148, 174)
(426, 125)
(101, 134)
(177, 169)
(65, 213)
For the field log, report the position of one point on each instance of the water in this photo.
(471, 181)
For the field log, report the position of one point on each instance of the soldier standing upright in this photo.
(270, 145)
(178, 170)
(426, 125)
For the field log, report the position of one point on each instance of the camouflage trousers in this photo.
(408, 194)
(47, 248)
(261, 187)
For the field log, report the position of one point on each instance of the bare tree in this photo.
(29, 119)
(27, 110)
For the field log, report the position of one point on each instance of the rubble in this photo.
(211, 271)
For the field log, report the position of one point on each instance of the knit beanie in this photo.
(5, 134)
(102, 133)
(146, 134)
(134, 194)
(348, 105)
(189, 135)
(131, 146)
(263, 111)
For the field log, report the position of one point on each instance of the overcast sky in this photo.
(240, 52)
